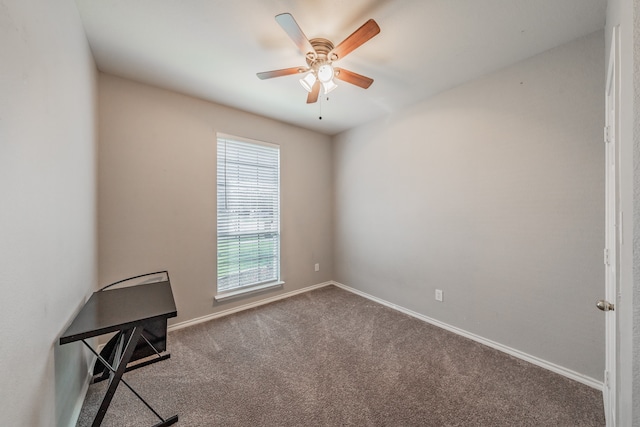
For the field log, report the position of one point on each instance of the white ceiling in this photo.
(212, 49)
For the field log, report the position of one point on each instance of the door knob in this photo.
(605, 305)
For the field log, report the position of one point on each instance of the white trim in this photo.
(225, 136)
(246, 291)
(613, 225)
(243, 307)
(598, 385)
(75, 414)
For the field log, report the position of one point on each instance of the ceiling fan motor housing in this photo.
(318, 58)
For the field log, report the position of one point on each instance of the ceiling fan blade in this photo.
(291, 27)
(315, 91)
(353, 78)
(278, 73)
(367, 31)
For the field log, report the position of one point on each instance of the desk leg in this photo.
(131, 339)
(121, 359)
(169, 421)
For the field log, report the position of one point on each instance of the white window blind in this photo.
(248, 179)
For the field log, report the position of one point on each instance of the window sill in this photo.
(246, 291)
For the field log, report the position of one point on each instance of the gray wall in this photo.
(157, 192)
(494, 193)
(47, 207)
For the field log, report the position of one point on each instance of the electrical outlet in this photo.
(317, 267)
(439, 295)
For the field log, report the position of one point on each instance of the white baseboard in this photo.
(591, 382)
(75, 414)
(511, 351)
(243, 307)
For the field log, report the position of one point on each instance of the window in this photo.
(248, 215)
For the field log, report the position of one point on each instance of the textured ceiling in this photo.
(212, 49)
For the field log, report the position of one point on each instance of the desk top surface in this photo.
(122, 308)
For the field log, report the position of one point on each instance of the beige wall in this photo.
(157, 192)
(47, 207)
(493, 192)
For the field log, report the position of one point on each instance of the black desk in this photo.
(127, 310)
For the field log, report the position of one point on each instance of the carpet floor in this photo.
(332, 358)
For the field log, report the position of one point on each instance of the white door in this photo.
(612, 231)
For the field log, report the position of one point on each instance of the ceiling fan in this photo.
(320, 54)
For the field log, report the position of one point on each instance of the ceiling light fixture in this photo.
(308, 81)
(325, 75)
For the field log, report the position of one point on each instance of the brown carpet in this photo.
(331, 358)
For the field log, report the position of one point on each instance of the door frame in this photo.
(613, 220)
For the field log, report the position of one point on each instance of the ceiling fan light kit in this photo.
(320, 54)
(329, 86)
(308, 81)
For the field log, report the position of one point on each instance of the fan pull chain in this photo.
(320, 104)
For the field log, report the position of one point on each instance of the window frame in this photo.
(261, 285)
